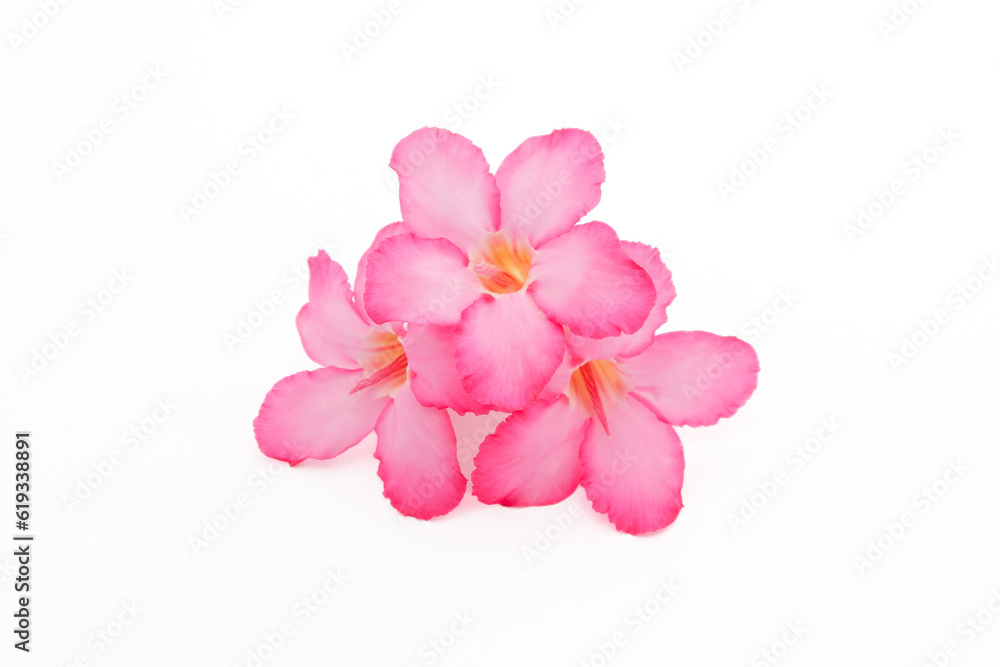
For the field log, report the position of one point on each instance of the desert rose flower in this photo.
(392, 379)
(503, 260)
(607, 419)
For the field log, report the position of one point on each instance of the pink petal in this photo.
(410, 279)
(446, 189)
(418, 458)
(548, 183)
(507, 350)
(635, 473)
(559, 384)
(434, 376)
(693, 378)
(330, 324)
(584, 279)
(313, 415)
(629, 345)
(393, 229)
(533, 458)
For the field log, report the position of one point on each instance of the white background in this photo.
(671, 133)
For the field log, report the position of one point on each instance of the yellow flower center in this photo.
(385, 363)
(596, 384)
(503, 266)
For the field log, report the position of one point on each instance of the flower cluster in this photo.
(489, 296)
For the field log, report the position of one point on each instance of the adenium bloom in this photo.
(392, 379)
(607, 419)
(502, 259)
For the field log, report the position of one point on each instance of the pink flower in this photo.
(396, 381)
(607, 419)
(503, 260)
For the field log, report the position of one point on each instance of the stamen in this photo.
(380, 348)
(397, 366)
(590, 382)
(495, 279)
(597, 386)
(503, 264)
